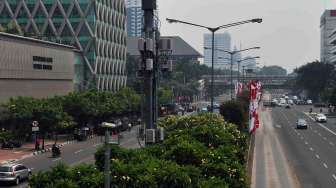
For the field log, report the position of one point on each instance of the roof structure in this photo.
(180, 47)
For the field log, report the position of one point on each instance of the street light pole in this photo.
(213, 31)
(231, 84)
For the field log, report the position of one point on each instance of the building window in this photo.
(42, 63)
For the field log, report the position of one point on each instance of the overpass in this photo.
(268, 81)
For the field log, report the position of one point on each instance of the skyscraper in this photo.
(95, 28)
(222, 42)
(328, 24)
(135, 18)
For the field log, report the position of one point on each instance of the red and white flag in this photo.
(255, 96)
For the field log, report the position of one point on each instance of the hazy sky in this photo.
(289, 35)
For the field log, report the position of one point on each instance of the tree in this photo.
(273, 70)
(314, 78)
(234, 112)
(165, 96)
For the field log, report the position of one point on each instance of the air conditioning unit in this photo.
(150, 135)
(165, 44)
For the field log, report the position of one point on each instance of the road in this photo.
(288, 157)
(72, 154)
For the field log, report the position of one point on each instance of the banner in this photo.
(255, 88)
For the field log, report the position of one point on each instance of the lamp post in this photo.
(257, 57)
(213, 30)
(232, 53)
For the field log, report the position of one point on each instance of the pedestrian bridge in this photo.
(268, 81)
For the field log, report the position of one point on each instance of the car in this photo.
(320, 118)
(301, 124)
(216, 106)
(309, 101)
(13, 172)
(204, 109)
(291, 102)
(287, 106)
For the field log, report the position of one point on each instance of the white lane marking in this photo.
(331, 143)
(332, 132)
(325, 165)
(315, 131)
(78, 151)
(301, 137)
(319, 134)
(306, 143)
(324, 138)
(311, 149)
(334, 176)
(317, 156)
(299, 134)
(56, 159)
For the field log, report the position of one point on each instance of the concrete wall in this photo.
(19, 78)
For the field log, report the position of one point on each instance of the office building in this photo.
(328, 25)
(35, 68)
(135, 18)
(96, 28)
(222, 42)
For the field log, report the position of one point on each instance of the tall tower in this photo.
(222, 42)
(328, 24)
(96, 28)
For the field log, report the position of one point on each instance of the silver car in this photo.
(301, 124)
(12, 172)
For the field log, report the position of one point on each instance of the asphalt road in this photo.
(312, 152)
(72, 154)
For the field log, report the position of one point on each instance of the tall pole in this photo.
(212, 69)
(148, 6)
(238, 70)
(231, 75)
(107, 182)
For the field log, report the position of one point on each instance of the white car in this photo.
(321, 118)
(309, 102)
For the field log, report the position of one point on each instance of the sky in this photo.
(289, 35)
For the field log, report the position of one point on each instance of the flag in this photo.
(255, 96)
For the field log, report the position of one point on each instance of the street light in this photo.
(232, 53)
(213, 30)
(257, 57)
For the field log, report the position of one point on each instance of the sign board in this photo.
(35, 123)
(35, 129)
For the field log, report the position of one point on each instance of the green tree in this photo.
(314, 78)
(234, 112)
(273, 70)
(165, 95)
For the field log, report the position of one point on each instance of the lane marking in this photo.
(311, 149)
(317, 156)
(334, 176)
(56, 159)
(332, 132)
(301, 137)
(319, 134)
(306, 143)
(76, 152)
(324, 138)
(331, 143)
(325, 165)
(97, 144)
(315, 131)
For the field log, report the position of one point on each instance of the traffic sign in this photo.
(35, 129)
(35, 123)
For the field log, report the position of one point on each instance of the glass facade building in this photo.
(97, 28)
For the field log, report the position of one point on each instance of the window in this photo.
(42, 63)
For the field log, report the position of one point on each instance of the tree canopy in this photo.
(273, 70)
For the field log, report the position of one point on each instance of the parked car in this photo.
(301, 124)
(320, 105)
(309, 101)
(320, 118)
(13, 172)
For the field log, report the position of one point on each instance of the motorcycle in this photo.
(56, 152)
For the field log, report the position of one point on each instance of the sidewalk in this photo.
(25, 150)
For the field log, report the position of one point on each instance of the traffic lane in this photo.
(320, 154)
(326, 130)
(309, 172)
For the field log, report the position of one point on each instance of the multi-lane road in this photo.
(73, 154)
(287, 157)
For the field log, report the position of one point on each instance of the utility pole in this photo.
(151, 68)
(107, 164)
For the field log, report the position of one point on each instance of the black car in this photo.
(301, 124)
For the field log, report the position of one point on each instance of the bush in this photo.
(233, 112)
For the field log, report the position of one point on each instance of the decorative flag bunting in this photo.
(239, 88)
(255, 88)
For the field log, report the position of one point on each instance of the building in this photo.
(36, 68)
(332, 42)
(96, 28)
(222, 42)
(250, 64)
(135, 18)
(181, 50)
(328, 25)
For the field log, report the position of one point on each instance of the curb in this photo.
(250, 154)
(49, 149)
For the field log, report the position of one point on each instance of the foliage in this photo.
(273, 71)
(62, 176)
(165, 95)
(234, 112)
(314, 78)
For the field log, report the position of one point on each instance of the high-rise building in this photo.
(332, 40)
(222, 42)
(328, 24)
(135, 18)
(96, 28)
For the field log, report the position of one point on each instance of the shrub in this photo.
(233, 112)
